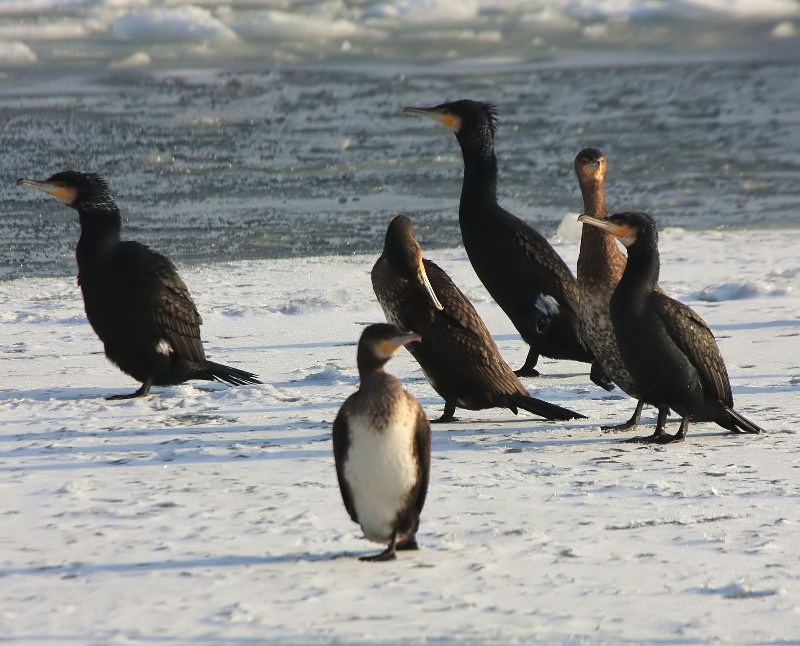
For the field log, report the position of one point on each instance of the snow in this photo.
(205, 514)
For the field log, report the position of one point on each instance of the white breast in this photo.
(380, 469)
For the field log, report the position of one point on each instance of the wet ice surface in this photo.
(208, 514)
(296, 160)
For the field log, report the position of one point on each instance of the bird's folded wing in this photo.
(695, 339)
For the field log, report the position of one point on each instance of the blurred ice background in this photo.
(265, 128)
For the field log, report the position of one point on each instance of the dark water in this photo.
(308, 160)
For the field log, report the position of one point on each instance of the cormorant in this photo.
(382, 447)
(668, 349)
(516, 264)
(600, 266)
(456, 352)
(134, 298)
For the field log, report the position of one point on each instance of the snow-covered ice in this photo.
(176, 32)
(205, 514)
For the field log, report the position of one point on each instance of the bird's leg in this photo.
(680, 436)
(665, 438)
(408, 544)
(143, 390)
(600, 378)
(661, 436)
(448, 415)
(387, 555)
(661, 421)
(529, 367)
(632, 423)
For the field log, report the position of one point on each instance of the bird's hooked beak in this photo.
(66, 194)
(422, 275)
(440, 115)
(592, 166)
(389, 346)
(617, 230)
(626, 234)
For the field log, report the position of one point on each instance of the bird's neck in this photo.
(594, 198)
(480, 178)
(641, 271)
(369, 367)
(100, 230)
(600, 256)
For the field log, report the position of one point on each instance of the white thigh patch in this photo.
(163, 347)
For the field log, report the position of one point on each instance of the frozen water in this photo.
(209, 514)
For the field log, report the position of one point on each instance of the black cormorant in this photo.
(456, 352)
(668, 349)
(382, 447)
(134, 298)
(600, 266)
(516, 264)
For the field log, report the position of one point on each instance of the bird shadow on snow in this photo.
(457, 437)
(178, 450)
(756, 325)
(99, 394)
(308, 345)
(74, 570)
(63, 394)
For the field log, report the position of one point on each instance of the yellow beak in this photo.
(618, 230)
(66, 194)
(445, 118)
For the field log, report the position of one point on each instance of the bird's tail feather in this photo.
(544, 409)
(228, 375)
(741, 423)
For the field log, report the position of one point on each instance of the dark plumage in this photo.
(668, 349)
(456, 352)
(134, 298)
(516, 264)
(382, 447)
(600, 266)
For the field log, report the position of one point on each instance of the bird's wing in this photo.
(537, 260)
(163, 292)
(458, 330)
(694, 338)
(341, 439)
(422, 443)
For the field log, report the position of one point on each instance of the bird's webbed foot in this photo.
(632, 423)
(448, 415)
(142, 392)
(660, 436)
(387, 555)
(657, 438)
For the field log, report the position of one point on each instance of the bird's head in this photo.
(630, 227)
(404, 254)
(590, 163)
(473, 122)
(378, 343)
(73, 188)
